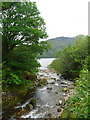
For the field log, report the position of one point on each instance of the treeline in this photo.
(21, 30)
(74, 64)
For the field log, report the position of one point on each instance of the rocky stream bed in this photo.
(47, 101)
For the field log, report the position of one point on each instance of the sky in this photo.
(66, 18)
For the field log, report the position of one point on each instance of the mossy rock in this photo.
(33, 102)
(29, 106)
(29, 76)
(26, 74)
(59, 110)
(72, 115)
(43, 81)
(49, 87)
(65, 90)
(65, 114)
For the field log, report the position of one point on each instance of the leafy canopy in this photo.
(23, 27)
(22, 24)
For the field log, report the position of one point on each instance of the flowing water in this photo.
(49, 97)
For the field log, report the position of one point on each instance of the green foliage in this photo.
(22, 28)
(23, 58)
(71, 59)
(22, 23)
(13, 79)
(78, 104)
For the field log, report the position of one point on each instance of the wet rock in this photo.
(44, 81)
(71, 87)
(48, 91)
(29, 106)
(29, 76)
(63, 85)
(42, 75)
(66, 98)
(55, 79)
(59, 110)
(56, 92)
(49, 87)
(58, 79)
(56, 84)
(60, 102)
(50, 81)
(54, 117)
(64, 90)
(49, 114)
(64, 94)
(64, 82)
(57, 104)
(58, 74)
(33, 102)
(19, 109)
(64, 114)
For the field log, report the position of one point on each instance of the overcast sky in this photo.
(64, 17)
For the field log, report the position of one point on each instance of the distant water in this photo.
(45, 62)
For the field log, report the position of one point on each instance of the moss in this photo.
(33, 102)
(72, 115)
(65, 114)
(65, 90)
(42, 82)
(29, 76)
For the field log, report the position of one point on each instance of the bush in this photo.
(77, 106)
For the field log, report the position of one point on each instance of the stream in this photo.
(50, 97)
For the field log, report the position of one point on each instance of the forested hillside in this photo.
(57, 44)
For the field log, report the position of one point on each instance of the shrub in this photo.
(77, 106)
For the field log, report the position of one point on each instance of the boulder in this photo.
(64, 82)
(58, 79)
(33, 102)
(59, 110)
(63, 85)
(50, 81)
(56, 92)
(29, 106)
(60, 102)
(29, 76)
(49, 87)
(64, 94)
(49, 115)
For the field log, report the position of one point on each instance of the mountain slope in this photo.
(57, 44)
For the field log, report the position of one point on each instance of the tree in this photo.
(22, 24)
(22, 28)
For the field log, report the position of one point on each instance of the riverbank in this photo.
(17, 95)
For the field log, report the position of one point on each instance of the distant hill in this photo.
(57, 44)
